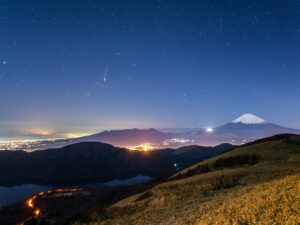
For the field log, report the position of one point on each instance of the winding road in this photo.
(37, 213)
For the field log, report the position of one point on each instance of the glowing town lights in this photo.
(209, 130)
(142, 147)
(26, 145)
(147, 147)
(30, 203)
(175, 141)
(37, 212)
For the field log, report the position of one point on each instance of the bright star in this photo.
(209, 130)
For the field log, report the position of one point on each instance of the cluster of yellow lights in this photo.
(142, 147)
(26, 145)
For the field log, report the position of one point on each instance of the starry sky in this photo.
(69, 68)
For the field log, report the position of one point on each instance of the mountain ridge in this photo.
(246, 128)
(87, 162)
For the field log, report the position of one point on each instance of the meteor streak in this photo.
(105, 75)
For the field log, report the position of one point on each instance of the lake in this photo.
(9, 195)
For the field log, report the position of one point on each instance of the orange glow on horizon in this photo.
(142, 147)
(37, 131)
(76, 135)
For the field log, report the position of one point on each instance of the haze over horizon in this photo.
(247, 119)
(80, 67)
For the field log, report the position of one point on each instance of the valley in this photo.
(213, 191)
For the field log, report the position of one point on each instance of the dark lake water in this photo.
(9, 195)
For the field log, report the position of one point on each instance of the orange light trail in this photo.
(37, 212)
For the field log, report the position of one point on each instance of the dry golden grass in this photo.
(265, 193)
(274, 202)
(272, 150)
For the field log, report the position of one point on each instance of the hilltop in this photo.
(257, 183)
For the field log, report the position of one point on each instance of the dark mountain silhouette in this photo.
(129, 136)
(93, 161)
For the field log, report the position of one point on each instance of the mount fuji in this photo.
(249, 119)
(243, 129)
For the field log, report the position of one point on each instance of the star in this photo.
(209, 130)
(4, 62)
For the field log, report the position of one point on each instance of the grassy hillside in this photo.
(254, 184)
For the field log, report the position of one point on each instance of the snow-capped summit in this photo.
(249, 119)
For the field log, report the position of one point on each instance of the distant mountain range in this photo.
(245, 128)
(126, 138)
(94, 162)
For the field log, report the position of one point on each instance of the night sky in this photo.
(76, 67)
